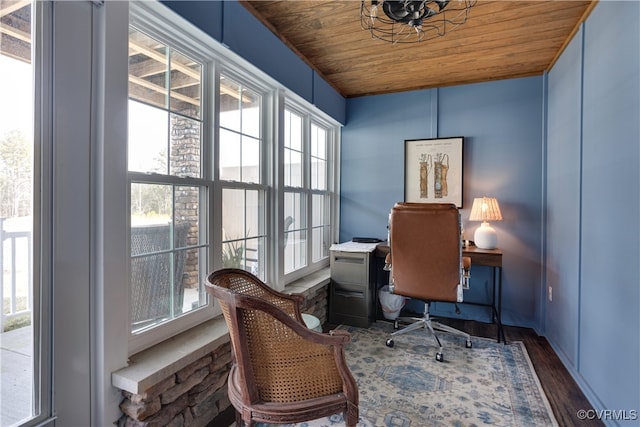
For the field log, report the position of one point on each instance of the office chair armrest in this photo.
(466, 275)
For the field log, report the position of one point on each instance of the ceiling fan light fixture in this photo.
(427, 19)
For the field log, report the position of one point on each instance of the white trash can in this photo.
(391, 304)
(312, 322)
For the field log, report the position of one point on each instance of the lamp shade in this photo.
(485, 209)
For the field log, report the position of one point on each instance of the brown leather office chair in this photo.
(426, 261)
(282, 372)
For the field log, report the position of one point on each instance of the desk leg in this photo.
(494, 312)
(499, 311)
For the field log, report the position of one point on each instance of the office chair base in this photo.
(431, 327)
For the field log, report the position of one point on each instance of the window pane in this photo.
(321, 243)
(250, 113)
(148, 65)
(243, 230)
(318, 158)
(230, 156)
(318, 174)
(319, 211)
(167, 253)
(230, 105)
(185, 85)
(292, 168)
(233, 255)
(293, 131)
(18, 384)
(320, 224)
(149, 128)
(151, 204)
(295, 251)
(189, 264)
(192, 274)
(293, 154)
(318, 142)
(148, 134)
(185, 147)
(246, 254)
(256, 256)
(250, 160)
(240, 143)
(233, 214)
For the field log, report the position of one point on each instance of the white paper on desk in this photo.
(354, 247)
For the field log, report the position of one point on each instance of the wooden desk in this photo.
(483, 257)
(490, 258)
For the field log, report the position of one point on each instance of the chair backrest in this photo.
(426, 251)
(271, 356)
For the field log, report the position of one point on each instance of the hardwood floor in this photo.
(564, 395)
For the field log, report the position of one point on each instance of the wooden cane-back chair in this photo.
(282, 371)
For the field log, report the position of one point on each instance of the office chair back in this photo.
(424, 239)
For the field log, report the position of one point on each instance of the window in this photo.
(320, 195)
(242, 178)
(25, 380)
(168, 194)
(295, 211)
(205, 153)
(307, 195)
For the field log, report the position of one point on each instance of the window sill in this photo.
(154, 364)
(309, 283)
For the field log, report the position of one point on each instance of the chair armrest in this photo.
(466, 271)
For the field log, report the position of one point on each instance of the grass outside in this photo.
(17, 321)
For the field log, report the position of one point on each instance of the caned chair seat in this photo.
(282, 371)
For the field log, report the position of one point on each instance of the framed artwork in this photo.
(433, 170)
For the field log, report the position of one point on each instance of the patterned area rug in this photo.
(404, 386)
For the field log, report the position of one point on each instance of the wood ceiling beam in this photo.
(137, 48)
(160, 89)
(14, 32)
(7, 6)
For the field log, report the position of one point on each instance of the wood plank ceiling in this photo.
(500, 40)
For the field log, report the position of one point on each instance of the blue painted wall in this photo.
(563, 199)
(372, 157)
(231, 24)
(593, 200)
(502, 126)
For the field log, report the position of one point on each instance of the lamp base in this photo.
(485, 237)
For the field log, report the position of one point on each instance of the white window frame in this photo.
(167, 31)
(42, 208)
(159, 22)
(263, 187)
(310, 117)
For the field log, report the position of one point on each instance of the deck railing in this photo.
(15, 271)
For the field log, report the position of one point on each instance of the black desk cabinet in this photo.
(352, 290)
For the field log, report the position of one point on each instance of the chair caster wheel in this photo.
(396, 324)
(468, 344)
(389, 343)
(439, 357)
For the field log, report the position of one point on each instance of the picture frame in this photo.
(433, 170)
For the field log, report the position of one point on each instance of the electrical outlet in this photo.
(550, 293)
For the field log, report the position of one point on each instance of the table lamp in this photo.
(485, 209)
